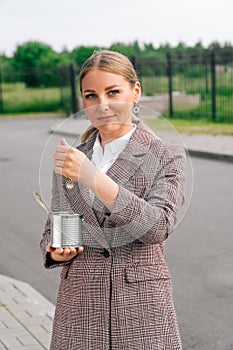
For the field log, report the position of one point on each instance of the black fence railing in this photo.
(192, 86)
(39, 89)
(197, 85)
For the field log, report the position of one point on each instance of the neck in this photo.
(108, 137)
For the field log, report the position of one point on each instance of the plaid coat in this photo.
(117, 294)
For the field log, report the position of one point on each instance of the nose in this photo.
(103, 104)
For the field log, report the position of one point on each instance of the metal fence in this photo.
(192, 85)
(39, 89)
(196, 85)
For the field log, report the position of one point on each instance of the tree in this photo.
(30, 60)
(7, 71)
(129, 50)
(81, 53)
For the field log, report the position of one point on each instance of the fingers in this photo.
(61, 152)
(59, 163)
(60, 156)
(65, 251)
(68, 161)
(80, 249)
(63, 254)
(62, 149)
(63, 142)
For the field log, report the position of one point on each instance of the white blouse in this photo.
(104, 158)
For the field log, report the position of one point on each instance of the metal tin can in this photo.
(66, 230)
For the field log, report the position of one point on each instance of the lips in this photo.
(105, 117)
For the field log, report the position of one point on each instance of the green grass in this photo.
(191, 85)
(17, 98)
(201, 126)
(224, 109)
(196, 101)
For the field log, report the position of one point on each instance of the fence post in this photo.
(74, 99)
(206, 78)
(169, 73)
(213, 84)
(1, 97)
(137, 66)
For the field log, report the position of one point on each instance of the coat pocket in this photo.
(146, 272)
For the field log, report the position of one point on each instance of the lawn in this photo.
(199, 126)
(17, 98)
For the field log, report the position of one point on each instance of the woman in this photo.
(115, 292)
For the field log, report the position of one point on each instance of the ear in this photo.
(137, 92)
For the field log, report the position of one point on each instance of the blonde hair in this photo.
(109, 61)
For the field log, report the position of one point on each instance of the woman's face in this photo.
(108, 99)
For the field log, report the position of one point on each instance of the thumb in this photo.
(63, 142)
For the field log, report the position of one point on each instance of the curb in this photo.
(210, 155)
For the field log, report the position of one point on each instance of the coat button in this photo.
(105, 253)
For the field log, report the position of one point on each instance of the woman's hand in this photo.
(73, 164)
(63, 254)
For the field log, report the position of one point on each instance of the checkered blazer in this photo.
(117, 294)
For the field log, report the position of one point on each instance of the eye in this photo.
(90, 96)
(113, 92)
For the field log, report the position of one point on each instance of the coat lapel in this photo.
(128, 162)
(122, 169)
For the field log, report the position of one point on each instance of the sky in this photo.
(71, 23)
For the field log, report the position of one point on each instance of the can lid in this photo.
(66, 213)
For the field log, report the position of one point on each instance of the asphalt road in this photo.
(199, 252)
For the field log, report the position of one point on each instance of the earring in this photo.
(136, 109)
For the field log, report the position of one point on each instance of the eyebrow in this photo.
(106, 89)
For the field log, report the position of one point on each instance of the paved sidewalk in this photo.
(25, 316)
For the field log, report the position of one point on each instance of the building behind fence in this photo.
(190, 85)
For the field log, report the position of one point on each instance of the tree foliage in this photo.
(37, 64)
(81, 53)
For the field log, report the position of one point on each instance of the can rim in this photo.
(65, 213)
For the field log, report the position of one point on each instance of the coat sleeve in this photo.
(152, 218)
(59, 203)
